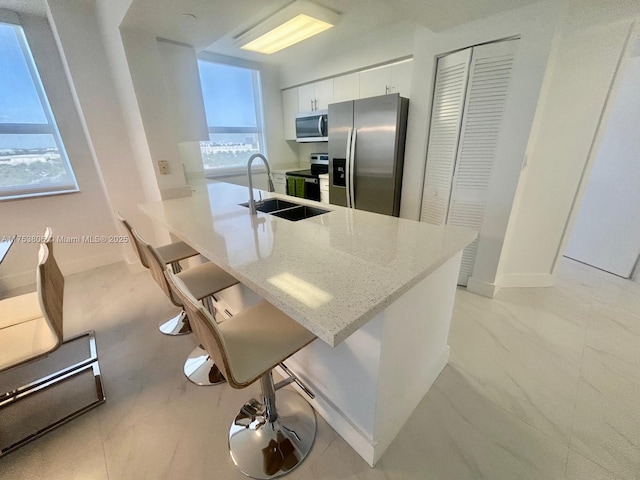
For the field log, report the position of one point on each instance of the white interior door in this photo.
(452, 73)
(606, 232)
(470, 96)
(489, 78)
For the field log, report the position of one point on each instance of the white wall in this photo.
(535, 25)
(606, 231)
(306, 149)
(147, 73)
(581, 79)
(95, 95)
(75, 214)
(184, 94)
(186, 105)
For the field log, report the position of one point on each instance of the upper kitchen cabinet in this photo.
(394, 78)
(346, 87)
(324, 94)
(315, 96)
(289, 111)
(376, 81)
(306, 97)
(401, 78)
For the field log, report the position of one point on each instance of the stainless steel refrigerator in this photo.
(366, 153)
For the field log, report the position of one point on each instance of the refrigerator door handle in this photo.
(351, 160)
(347, 169)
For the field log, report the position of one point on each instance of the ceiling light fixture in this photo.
(294, 23)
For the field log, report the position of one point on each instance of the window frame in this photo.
(49, 128)
(258, 105)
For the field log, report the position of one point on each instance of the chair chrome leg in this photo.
(178, 325)
(266, 442)
(200, 368)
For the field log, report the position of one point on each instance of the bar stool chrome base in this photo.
(200, 369)
(178, 325)
(269, 449)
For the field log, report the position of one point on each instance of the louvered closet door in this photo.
(448, 102)
(486, 98)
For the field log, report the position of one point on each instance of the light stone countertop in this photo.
(331, 273)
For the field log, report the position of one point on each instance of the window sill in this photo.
(26, 195)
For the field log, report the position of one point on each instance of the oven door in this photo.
(311, 188)
(311, 127)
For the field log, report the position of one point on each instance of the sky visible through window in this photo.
(31, 160)
(19, 102)
(233, 114)
(228, 95)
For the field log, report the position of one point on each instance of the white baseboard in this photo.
(480, 287)
(369, 449)
(359, 441)
(527, 280)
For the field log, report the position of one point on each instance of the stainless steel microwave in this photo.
(312, 126)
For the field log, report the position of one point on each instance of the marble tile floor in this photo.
(541, 384)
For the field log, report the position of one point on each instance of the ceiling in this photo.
(219, 21)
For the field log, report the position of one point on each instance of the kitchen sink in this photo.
(299, 213)
(287, 210)
(271, 205)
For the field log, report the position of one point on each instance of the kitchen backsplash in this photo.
(306, 149)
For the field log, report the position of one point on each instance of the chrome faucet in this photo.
(252, 202)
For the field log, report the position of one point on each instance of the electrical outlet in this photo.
(163, 167)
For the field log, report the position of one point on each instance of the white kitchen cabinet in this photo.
(280, 182)
(346, 87)
(394, 78)
(306, 97)
(401, 78)
(315, 96)
(324, 187)
(323, 94)
(374, 82)
(289, 111)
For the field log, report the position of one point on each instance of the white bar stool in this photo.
(204, 280)
(170, 254)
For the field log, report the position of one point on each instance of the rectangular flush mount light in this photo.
(294, 23)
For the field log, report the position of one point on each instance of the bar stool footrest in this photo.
(291, 379)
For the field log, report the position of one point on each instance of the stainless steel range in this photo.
(305, 183)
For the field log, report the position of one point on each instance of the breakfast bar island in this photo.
(377, 291)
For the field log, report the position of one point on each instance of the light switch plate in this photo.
(163, 167)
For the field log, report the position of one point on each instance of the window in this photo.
(33, 160)
(233, 107)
